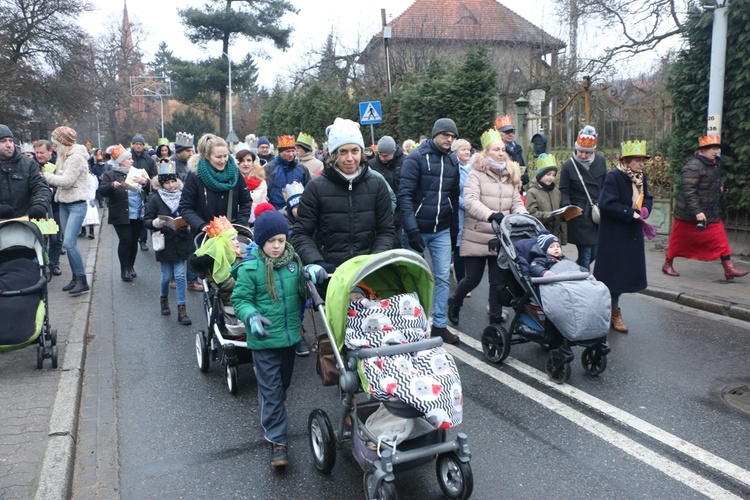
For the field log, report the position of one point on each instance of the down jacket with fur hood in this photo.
(71, 178)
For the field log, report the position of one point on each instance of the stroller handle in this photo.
(560, 277)
(390, 350)
(28, 290)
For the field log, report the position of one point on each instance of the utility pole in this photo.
(718, 63)
(386, 38)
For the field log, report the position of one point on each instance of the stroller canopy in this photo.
(387, 273)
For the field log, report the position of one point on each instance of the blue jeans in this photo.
(273, 373)
(586, 255)
(439, 246)
(71, 220)
(174, 269)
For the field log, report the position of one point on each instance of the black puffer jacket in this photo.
(23, 186)
(392, 173)
(348, 218)
(119, 205)
(428, 193)
(176, 243)
(199, 204)
(582, 230)
(700, 190)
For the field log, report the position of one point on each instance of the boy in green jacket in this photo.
(268, 288)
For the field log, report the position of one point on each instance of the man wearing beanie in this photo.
(387, 162)
(264, 150)
(182, 154)
(304, 147)
(23, 190)
(430, 182)
(283, 170)
(144, 161)
(583, 172)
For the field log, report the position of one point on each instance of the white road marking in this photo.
(636, 450)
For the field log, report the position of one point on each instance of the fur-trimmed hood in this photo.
(192, 164)
(156, 185)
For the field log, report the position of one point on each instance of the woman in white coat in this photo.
(491, 192)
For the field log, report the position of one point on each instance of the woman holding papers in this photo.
(127, 189)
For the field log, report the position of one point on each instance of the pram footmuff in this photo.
(224, 339)
(558, 312)
(400, 389)
(23, 291)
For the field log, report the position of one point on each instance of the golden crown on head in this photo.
(634, 148)
(546, 160)
(709, 140)
(306, 139)
(490, 136)
(503, 121)
(117, 151)
(219, 225)
(163, 141)
(285, 141)
(183, 139)
(586, 141)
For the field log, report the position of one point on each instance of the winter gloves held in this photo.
(496, 217)
(415, 242)
(258, 323)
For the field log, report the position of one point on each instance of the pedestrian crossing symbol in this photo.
(370, 113)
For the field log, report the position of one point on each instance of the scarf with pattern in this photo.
(637, 180)
(171, 199)
(282, 260)
(219, 181)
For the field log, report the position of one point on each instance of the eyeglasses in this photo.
(449, 135)
(511, 131)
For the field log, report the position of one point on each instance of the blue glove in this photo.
(314, 273)
(257, 323)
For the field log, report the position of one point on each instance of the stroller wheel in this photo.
(322, 441)
(39, 357)
(454, 476)
(232, 379)
(386, 490)
(54, 356)
(557, 369)
(201, 351)
(53, 336)
(593, 361)
(496, 343)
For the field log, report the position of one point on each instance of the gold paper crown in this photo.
(163, 141)
(293, 189)
(219, 225)
(306, 139)
(586, 141)
(546, 160)
(709, 141)
(634, 148)
(183, 139)
(489, 137)
(285, 141)
(503, 121)
(117, 151)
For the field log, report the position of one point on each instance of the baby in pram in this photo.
(218, 254)
(546, 253)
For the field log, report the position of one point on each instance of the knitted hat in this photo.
(64, 135)
(545, 164)
(344, 132)
(167, 172)
(545, 240)
(292, 193)
(5, 132)
(444, 125)
(119, 154)
(305, 141)
(138, 138)
(268, 223)
(263, 140)
(587, 139)
(387, 145)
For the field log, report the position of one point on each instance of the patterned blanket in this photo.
(426, 380)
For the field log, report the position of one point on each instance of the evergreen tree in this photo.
(160, 65)
(190, 121)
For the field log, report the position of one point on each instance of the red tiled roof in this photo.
(468, 20)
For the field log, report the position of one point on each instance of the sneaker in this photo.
(279, 455)
(195, 286)
(441, 331)
(301, 348)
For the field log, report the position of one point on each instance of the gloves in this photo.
(329, 268)
(157, 223)
(35, 212)
(415, 242)
(497, 217)
(649, 231)
(644, 213)
(91, 203)
(314, 273)
(6, 212)
(257, 323)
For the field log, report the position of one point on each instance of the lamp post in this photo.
(161, 104)
(521, 104)
(718, 63)
(231, 136)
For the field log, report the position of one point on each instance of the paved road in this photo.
(652, 425)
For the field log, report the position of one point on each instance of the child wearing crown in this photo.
(543, 197)
(213, 260)
(268, 290)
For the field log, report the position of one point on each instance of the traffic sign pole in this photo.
(372, 134)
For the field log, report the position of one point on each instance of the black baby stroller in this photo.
(224, 339)
(23, 291)
(580, 309)
(419, 390)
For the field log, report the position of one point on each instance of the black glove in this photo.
(497, 217)
(524, 179)
(6, 211)
(36, 212)
(415, 242)
(329, 268)
(165, 230)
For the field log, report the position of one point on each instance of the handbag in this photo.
(595, 213)
(157, 240)
(325, 364)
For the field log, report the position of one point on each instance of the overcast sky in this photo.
(353, 20)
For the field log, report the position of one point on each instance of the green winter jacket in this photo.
(250, 296)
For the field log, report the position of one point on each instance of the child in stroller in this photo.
(563, 308)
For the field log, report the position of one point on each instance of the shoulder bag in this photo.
(595, 214)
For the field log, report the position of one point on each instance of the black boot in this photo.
(132, 272)
(91, 232)
(125, 275)
(453, 309)
(164, 302)
(81, 287)
(70, 285)
(443, 332)
(182, 316)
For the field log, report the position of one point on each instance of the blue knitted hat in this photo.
(545, 240)
(268, 223)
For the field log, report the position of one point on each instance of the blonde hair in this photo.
(407, 145)
(513, 169)
(459, 143)
(208, 142)
(62, 152)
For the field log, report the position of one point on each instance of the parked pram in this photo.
(395, 275)
(224, 339)
(23, 291)
(578, 315)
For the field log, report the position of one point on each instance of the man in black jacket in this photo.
(428, 197)
(387, 162)
(142, 160)
(23, 190)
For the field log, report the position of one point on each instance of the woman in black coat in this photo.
(624, 202)
(166, 201)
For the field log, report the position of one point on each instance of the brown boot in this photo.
(731, 272)
(182, 316)
(668, 269)
(164, 302)
(617, 323)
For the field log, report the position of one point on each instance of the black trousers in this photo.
(128, 247)
(474, 267)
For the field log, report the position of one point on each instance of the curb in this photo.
(712, 305)
(56, 476)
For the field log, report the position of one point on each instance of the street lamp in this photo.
(231, 136)
(161, 103)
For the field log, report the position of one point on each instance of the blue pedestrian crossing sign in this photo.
(370, 113)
